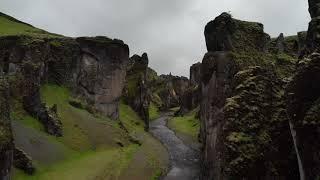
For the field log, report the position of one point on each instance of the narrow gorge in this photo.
(89, 108)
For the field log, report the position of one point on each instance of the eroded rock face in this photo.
(244, 127)
(303, 104)
(225, 34)
(32, 101)
(218, 69)
(6, 138)
(192, 95)
(101, 74)
(195, 74)
(23, 161)
(313, 37)
(93, 68)
(256, 134)
(137, 92)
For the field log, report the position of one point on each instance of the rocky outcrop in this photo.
(255, 139)
(303, 96)
(218, 69)
(32, 102)
(195, 74)
(101, 74)
(94, 68)
(302, 38)
(191, 98)
(226, 33)
(6, 139)
(244, 127)
(22, 161)
(313, 36)
(137, 92)
(290, 45)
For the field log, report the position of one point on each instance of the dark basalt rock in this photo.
(6, 138)
(192, 95)
(195, 74)
(136, 91)
(244, 127)
(313, 36)
(23, 161)
(101, 74)
(255, 138)
(218, 69)
(303, 106)
(94, 68)
(225, 34)
(32, 102)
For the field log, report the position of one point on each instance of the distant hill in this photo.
(10, 26)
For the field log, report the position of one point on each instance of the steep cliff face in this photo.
(226, 33)
(168, 89)
(244, 128)
(101, 74)
(303, 105)
(191, 97)
(195, 74)
(94, 68)
(6, 139)
(137, 92)
(313, 36)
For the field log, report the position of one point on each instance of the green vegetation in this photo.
(93, 143)
(151, 155)
(10, 26)
(153, 111)
(187, 125)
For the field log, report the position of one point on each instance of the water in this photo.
(184, 160)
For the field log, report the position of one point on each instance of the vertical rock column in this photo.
(6, 139)
(101, 74)
(313, 36)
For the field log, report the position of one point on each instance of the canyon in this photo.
(249, 110)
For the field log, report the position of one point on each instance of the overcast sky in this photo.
(170, 31)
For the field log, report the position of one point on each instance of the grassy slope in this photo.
(153, 111)
(10, 26)
(186, 127)
(90, 142)
(151, 160)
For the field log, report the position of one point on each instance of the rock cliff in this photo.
(191, 97)
(6, 139)
(244, 127)
(94, 68)
(303, 96)
(136, 92)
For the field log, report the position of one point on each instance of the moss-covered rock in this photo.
(6, 138)
(256, 128)
(136, 91)
(303, 93)
(225, 33)
(243, 117)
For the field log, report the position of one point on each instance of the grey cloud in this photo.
(170, 31)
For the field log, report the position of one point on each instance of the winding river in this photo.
(184, 161)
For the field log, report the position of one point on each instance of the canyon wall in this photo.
(136, 91)
(6, 139)
(244, 127)
(94, 68)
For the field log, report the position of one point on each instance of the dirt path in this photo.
(183, 159)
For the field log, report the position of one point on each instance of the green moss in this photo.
(153, 111)
(188, 124)
(93, 141)
(313, 115)
(56, 43)
(107, 164)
